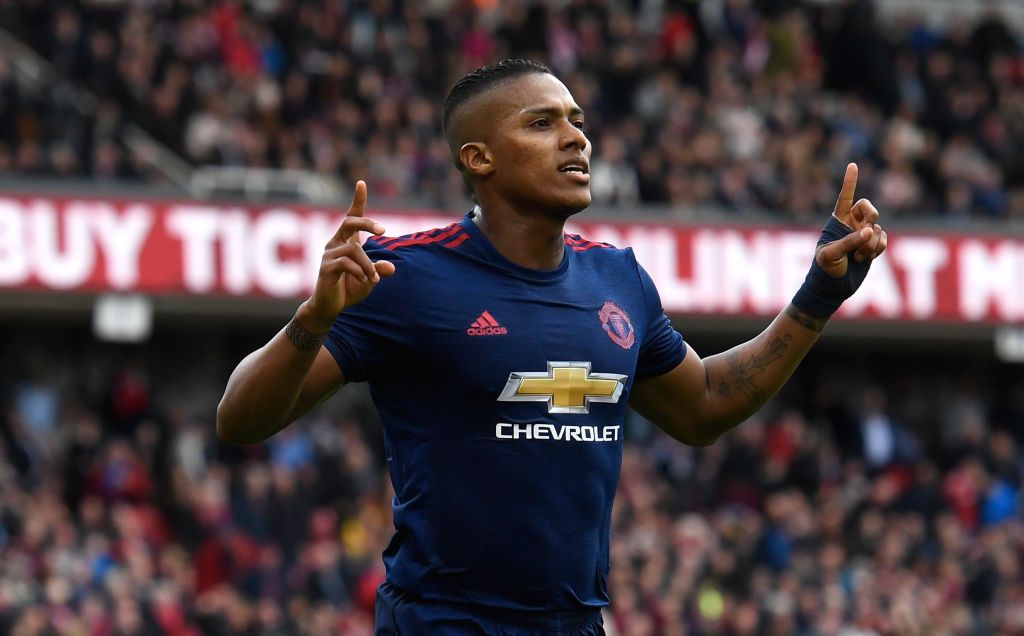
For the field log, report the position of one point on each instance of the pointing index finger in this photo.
(355, 210)
(845, 202)
(358, 200)
(849, 183)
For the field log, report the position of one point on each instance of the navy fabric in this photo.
(821, 294)
(397, 614)
(503, 495)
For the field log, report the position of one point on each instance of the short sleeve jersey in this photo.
(502, 392)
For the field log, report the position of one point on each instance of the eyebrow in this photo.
(552, 110)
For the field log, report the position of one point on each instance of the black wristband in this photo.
(821, 294)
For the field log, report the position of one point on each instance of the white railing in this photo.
(261, 184)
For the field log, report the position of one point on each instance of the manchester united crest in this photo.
(615, 323)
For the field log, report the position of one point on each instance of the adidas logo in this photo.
(486, 325)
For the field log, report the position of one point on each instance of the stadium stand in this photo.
(744, 106)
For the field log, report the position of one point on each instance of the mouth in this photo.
(577, 170)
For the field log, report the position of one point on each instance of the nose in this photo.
(573, 137)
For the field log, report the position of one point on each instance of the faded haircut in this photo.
(476, 82)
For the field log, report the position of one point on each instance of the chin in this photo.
(576, 204)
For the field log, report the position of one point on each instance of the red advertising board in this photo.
(172, 247)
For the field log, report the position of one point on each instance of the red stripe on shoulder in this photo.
(572, 238)
(580, 244)
(444, 229)
(385, 241)
(590, 246)
(459, 240)
(423, 238)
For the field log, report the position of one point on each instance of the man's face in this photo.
(540, 154)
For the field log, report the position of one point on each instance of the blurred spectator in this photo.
(883, 441)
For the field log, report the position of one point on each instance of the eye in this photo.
(579, 124)
(541, 123)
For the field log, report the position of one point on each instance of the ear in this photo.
(476, 158)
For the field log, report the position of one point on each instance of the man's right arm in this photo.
(294, 372)
(276, 384)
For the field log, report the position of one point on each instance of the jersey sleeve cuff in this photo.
(666, 364)
(346, 358)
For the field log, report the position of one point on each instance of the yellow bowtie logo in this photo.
(567, 387)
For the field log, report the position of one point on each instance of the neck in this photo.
(534, 241)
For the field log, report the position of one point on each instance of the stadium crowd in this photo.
(837, 511)
(737, 105)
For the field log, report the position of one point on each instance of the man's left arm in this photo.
(702, 398)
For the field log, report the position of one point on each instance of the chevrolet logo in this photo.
(567, 387)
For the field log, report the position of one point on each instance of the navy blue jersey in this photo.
(502, 392)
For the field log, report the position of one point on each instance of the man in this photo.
(501, 354)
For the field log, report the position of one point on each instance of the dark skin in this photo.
(513, 144)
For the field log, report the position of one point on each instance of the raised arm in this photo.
(293, 372)
(702, 398)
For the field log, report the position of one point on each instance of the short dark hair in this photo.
(475, 82)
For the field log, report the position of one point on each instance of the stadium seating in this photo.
(738, 108)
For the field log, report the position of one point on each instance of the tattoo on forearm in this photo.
(805, 319)
(302, 339)
(742, 375)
